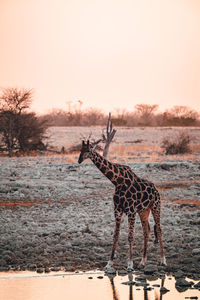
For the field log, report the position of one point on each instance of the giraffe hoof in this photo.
(130, 266)
(142, 263)
(163, 262)
(109, 268)
(141, 266)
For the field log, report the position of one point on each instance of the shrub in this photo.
(178, 144)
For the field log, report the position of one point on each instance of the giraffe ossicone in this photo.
(132, 195)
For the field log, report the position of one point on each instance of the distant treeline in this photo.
(142, 115)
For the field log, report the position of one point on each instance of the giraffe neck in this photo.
(114, 172)
(106, 167)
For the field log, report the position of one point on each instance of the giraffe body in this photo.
(132, 195)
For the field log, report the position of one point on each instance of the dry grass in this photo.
(147, 152)
(71, 158)
(134, 151)
(195, 148)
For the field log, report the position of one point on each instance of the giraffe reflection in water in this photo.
(130, 277)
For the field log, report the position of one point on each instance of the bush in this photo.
(178, 144)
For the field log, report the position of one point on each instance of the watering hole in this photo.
(90, 285)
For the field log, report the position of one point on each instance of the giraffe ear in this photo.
(83, 143)
(88, 142)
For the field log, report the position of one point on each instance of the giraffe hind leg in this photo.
(118, 217)
(156, 235)
(131, 224)
(158, 231)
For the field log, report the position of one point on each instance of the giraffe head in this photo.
(85, 151)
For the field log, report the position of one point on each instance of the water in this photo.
(94, 286)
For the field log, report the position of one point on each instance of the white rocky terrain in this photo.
(55, 213)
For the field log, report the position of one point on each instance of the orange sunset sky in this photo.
(107, 53)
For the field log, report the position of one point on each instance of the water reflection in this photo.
(90, 286)
(157, 296)
(146, 290)
(115, 294)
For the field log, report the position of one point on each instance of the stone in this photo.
(195, 222)
(55, 269)
(148, 288)
(163, 290)
(150, 269)
(40, 270)
(179, 274)
(32, 267)
(122, 272)
(156, 285)
(3, 262)
(196, 251)
(47, 270)
(143, 283)
(140, 278)
(183, 283)
(129, 282)
(4, 269)
(197, 285)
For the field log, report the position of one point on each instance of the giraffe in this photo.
(132, 195)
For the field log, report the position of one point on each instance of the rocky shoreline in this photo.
(71, 227)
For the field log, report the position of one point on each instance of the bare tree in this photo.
(93, 116)
(146, 113)
(15, 100)
(110, 133)
(183, 111)
(106, 138)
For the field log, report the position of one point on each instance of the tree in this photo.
(180, 116)
(20, 130)
(15, 100)
(146, 113)
(93, 116)
(120, 117)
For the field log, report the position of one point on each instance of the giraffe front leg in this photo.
(146, 232)
(118, 216)
(144, 216)
(131, 224)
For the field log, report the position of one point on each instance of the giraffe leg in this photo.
(118, 218)
(144, 217)
(156, 236)
(158, 231)
(131, 224)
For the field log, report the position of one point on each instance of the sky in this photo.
(107, 54)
